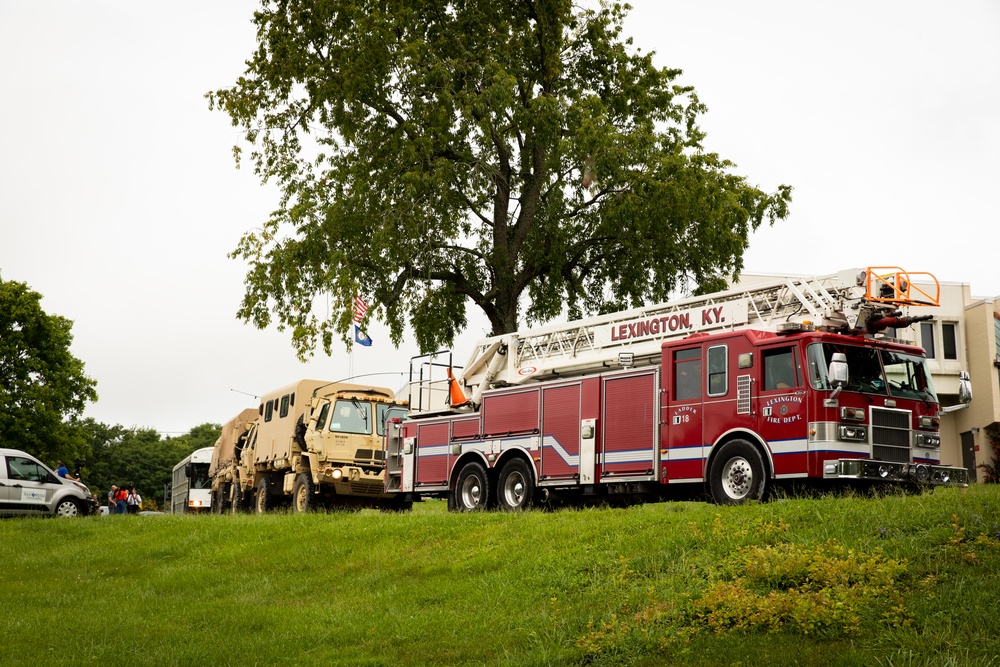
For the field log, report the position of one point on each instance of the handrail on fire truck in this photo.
(854, 300)
(893, 285)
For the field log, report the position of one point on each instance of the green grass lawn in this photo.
(897, 580)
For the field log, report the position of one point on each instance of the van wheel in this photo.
(68, 508)
(472, 488)
(302, 494)
(737, 474)
(262, 501)
(516, 486)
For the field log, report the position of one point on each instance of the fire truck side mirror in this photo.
(964, 387)
(838, 370)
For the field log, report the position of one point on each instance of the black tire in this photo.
(515, 486)
(236, 498)
(220, 499)
(262, 503)
(738, 474)
(396, 504)
(472, 489)
(302, 494)
(69, 507)
(300, 433)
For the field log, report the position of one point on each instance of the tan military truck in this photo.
(318, 444)
(225, 454)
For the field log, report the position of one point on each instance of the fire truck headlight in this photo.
(852, 414)
(929, 440)
(930, 422)
(854, 433)
(883, 471)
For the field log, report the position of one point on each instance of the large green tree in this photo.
(516, 154)
(43, 387)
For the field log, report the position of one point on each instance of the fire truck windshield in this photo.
(874, 371)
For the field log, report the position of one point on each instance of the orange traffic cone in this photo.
(456, 396)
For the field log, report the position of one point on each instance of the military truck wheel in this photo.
(737, 474)
(235, 498)
(516, 486)
(302, 494)
(472, 488)
(262, 503)
(220, 499)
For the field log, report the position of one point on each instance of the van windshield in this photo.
(873, 371)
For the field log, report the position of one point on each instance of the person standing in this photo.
(121, 496)
(112, 499)
(133, 500)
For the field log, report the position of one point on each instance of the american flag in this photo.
(360, 308)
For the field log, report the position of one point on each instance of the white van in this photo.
(30, 488)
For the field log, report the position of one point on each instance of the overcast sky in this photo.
(119, 199)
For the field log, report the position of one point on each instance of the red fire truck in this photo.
(729, 393)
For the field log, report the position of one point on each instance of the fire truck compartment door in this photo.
(409, 464)
(588, 456)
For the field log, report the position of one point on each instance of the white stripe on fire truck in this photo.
(631, 456)
(432, 450)
(685, 453)
(572, 460)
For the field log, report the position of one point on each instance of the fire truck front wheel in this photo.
(516, 488)
(737, 474)
(471, 489)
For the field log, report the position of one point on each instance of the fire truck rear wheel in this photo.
(516, 486)
(261, 499)
(302, 494)
(737, 474)
(472, 488)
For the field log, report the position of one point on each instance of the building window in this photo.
(927, 338)
(996, 332)
(949, 340)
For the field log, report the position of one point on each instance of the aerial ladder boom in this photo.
(850, 301)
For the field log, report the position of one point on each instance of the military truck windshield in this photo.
(351, 416)
(873, 371)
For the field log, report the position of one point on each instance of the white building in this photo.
(965, 335)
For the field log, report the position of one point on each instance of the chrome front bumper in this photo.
(926, 474)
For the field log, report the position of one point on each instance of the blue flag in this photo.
(360, 337)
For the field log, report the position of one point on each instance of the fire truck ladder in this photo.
(841, 301)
